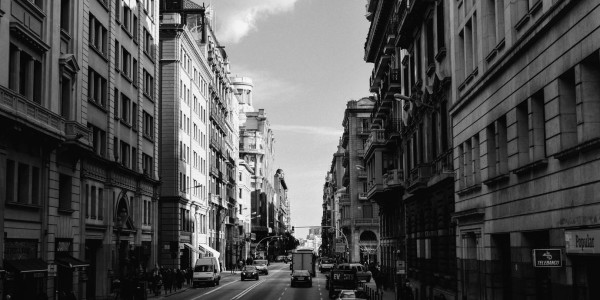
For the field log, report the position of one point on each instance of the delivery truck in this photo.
(304, 259)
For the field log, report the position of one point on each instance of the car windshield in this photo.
(300, 273)
(326, 261)
(260, 262)
(250, 268)
(203, 268)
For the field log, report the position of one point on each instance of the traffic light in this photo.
(293, 229)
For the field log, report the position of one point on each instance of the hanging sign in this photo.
(547, 258)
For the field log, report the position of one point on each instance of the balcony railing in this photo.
(419, 176)
(366, 222)
(362, 196)
(361, 174)
(35, 114)
(345, 222)
(443, 164)
(393, 178)
(377, 136)
(345, 199)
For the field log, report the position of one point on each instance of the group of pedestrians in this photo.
(169, 280)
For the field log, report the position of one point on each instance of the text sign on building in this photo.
(582, 241)
(340, 247)
(547, 258)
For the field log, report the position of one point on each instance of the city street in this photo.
(276, 286)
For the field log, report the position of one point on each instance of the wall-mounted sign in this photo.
(582, 241)
(547, 258)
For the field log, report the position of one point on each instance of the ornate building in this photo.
(359, 217)
(408, 153)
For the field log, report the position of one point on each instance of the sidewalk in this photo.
(371, 289)
(185, 287)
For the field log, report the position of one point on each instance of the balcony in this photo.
(374, 82)
(345, 222)
(442, 165)
(360, 153)
(249, 148)
(30, 113)
(419, 177)
(410, 19)
(366, 222)
(345, 199)
(392, 82)
(362, 196)
(78, 133)
(374, 187)
(376, 138)
(393, 178)
(214, 171)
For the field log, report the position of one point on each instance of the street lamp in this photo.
(413, 98)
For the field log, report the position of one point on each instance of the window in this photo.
(568, 113)
(125, 154)
(148, 43)
(25, 73)
(147, 164)
(126, 18)
(125, 109)
(117, 56)
(97, 88)
(65, 185)
(118, 10)
(98, 36)
(135, 28)
(148, 125)
(429, 39)
(135, 72)
(98, 140)
(440, 26)
(66, 93)
(65, 15)
(240, 194)
(134, 159)
(148, 85)
(126, 63)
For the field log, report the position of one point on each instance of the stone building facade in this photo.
(359, 217)
(525, 117)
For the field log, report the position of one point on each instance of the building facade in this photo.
(409, 159)
(256, 141)
(245, 174)
(82, 186)
(358, 216)
(184, 130)
(525, 130)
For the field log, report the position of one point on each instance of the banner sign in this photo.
(547, 258)
(582, 241)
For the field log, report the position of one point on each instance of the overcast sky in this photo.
(306, 61)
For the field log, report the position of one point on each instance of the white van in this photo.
(207, 271)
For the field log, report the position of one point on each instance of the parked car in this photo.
(326, 264)
(301, 277)
(261, 266)
(350, 294)
(249, 272)
(362, 273)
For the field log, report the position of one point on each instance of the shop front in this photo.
(583, 249)
(25, 279)
(70, 268)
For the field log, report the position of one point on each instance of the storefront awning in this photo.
(27, 265)
(66, 260)
(189, 246)
(209, 252)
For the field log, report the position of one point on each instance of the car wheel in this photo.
(310, 284)
(266, 273)
(242, 279)
(292, 284)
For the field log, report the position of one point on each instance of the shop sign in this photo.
(547, 258)
(52, 271)
(400, 267)
(582, 241)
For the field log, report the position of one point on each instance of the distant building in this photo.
(359, 217)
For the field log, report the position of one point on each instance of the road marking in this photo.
(244, 292)
(214, 290)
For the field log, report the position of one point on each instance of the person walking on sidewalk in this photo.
(378, 277)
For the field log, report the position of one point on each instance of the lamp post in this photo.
(268, 237)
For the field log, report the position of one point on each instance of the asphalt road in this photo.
(275, 286)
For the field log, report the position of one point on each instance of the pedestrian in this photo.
(378, 277)
(188, 275)
(180, 278)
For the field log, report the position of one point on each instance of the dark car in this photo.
(261, 266)
(249, 272)
(301, 277)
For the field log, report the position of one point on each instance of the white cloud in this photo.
(235, 18)
(267, 86)
(310, 130)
